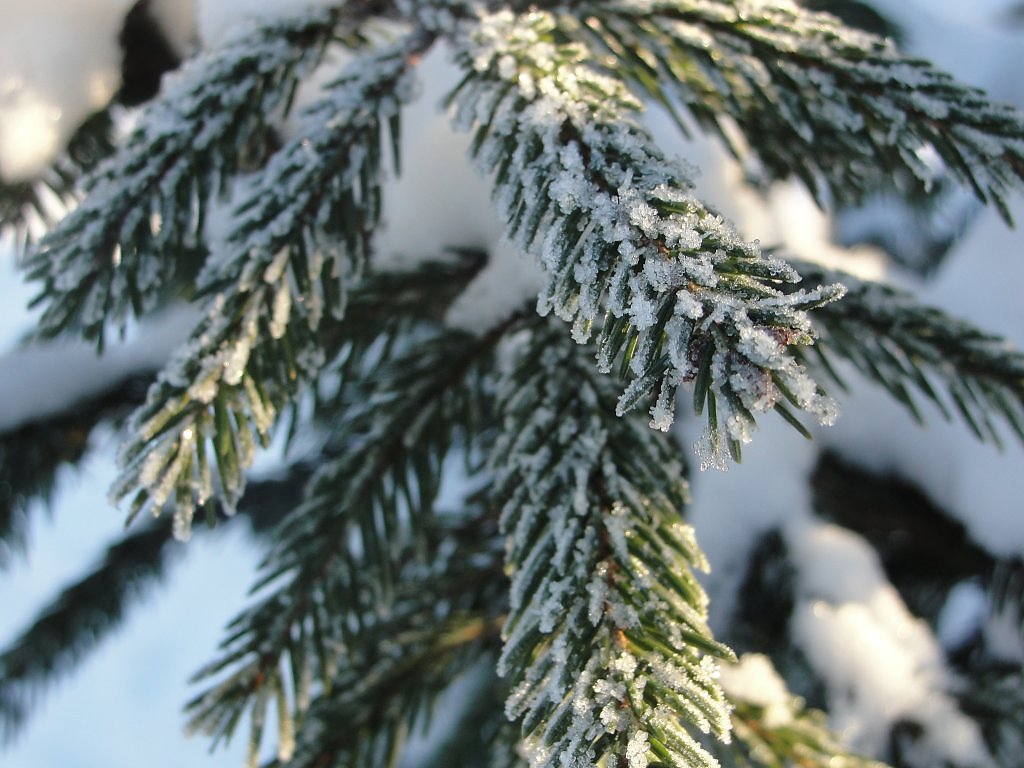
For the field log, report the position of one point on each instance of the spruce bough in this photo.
(562, 585)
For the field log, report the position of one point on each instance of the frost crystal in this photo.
(287, 219)
(583, 536)
(625, 249)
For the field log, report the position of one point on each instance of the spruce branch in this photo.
(839, 108)
(339, 557)
(677, 295)
(906, 347)
(369, 719)
(606, 650)
(303, 230)
(89, 610)
(804, 740)
(113, 255)
(444, 622)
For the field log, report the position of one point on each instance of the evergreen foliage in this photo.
(558, 591)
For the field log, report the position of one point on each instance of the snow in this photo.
(506, 284)
(882, 668)
(979, 484)
(879, 663)
(755, 680)
(423, 215)
(59, 62)
(40, 380)
(962, 616)
(217, 19)
(424, 219)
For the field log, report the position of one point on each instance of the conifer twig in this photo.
(607, 650)
(839, 108)
(298, 239)
(112, 256)
(905, 346)
(677, 295)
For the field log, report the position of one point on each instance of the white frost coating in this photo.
(42, 380)
(626, 241)
(567, 578)
(787, 214)
(637, 750)
(754, 679)
(880, 663)
(59, 62)
(281, 310)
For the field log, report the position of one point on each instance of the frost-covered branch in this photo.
(606, 647)
(446, 618)
(112, 256)
(300, 235)
(364, 514)
(905, 346)
(840, 108)
(677, 295)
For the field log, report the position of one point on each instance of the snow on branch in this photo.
(114, 255)
(905, 346)
(607, 649)
(298, 237)
(366, 512)
(390, 677)
(677, 294)
(840, 108)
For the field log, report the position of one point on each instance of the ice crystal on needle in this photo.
(287, 233)
(110, 258)
(384, 589)
(582, 610)
(667, 286)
